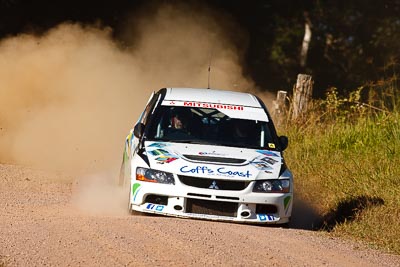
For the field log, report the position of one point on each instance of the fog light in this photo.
(178, 207)
(245, 214)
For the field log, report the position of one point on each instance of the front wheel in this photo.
(286, 225)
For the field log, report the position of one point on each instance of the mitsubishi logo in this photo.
(214, 185)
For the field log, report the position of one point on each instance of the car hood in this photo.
(210, 161)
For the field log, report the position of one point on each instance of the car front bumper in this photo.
(242, 206)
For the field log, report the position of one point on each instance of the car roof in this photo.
(212, 96)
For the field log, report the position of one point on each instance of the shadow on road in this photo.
(304, 216)
(348, 209)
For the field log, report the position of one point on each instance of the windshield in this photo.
(208, 126)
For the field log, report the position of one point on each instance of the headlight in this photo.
(154, 176)
(272, 186)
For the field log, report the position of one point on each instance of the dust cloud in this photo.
(97, 194)
(69, 96)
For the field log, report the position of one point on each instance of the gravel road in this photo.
(51, 219)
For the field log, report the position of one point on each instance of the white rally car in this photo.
(207, 154)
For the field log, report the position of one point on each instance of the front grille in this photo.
(210, 207)
(213, 183)
(266, 209)
(215, 159)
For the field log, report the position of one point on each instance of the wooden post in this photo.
(280, 110)
(302, 92)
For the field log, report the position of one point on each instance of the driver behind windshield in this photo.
(242, 131)
(178, 128)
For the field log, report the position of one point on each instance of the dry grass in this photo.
(346, 160)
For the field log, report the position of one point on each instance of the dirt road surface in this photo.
(43, 223)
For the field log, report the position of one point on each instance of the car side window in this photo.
(149, 108)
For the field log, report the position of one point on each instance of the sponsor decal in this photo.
(269, 160)
(286, 202)
(268, 153)
(158, 145)
(203, 105)
(131, 137)
(128, 145)
(261, 165)
(197, 169)
(271, 145)
(135, 190)
(155, 207)
(163, 156)
(228, 172)
(125, 156)
(164, 159)
(211, 105)
(223, 171)
(213, 153)
(265, 161)
(265, 217)
(159, 152)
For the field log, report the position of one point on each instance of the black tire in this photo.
(286, 225)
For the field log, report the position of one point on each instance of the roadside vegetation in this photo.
(345, 156)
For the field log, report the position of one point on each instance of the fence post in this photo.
(302, 92)
(280, 110)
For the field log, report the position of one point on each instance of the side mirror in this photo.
(284, 142)
(138, 130)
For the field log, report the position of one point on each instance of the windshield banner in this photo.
(233, 111)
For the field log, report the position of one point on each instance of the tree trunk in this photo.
(302, 92)
(306, 41)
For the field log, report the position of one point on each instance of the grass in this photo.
(346, 161)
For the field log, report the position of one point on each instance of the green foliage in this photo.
(346, 160)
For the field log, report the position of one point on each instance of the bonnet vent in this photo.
(214, 159)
